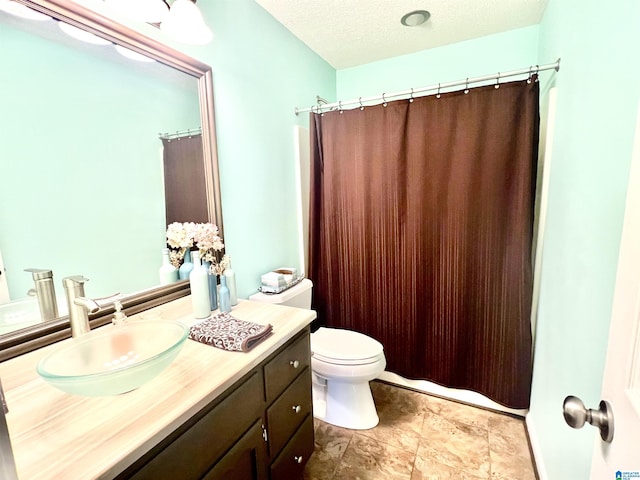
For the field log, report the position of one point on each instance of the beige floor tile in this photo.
(330, 445)
(507, 426)
(401, 417)
(510, 458)
(368, 459)
(397, 429)
(421, 437)
(458, 412)
(426, 468)
(401, 399)
(461, 446)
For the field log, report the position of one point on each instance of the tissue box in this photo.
(273, 279)
(279, 277)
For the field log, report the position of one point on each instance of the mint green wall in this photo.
(261, 72)
(80, 162)
(598, 92)
(500, 52)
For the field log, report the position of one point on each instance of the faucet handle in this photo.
(111, 299)
(74, 280)
(94, 305)
(40, 273)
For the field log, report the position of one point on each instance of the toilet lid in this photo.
(344, 345)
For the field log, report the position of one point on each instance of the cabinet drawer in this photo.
(288, 412)
(290, 463)
(195, 450)
(286, 366)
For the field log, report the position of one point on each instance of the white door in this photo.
(620, 459)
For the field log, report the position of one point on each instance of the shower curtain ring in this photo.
(340, 106)
(361, 105)
(497, 85)
(537, 70)
(384, 101)
(530, 74)
(466, 86)
(411, 97)
(438, 94)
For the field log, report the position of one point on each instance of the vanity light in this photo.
(125, 52)
(82, 35)
(150, 11)
(19, 10)
(186, 24)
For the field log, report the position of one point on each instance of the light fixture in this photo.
(185, 24)
(149, 11)
(19, 10)
(415, 18)
(82, 35)
(125, 52)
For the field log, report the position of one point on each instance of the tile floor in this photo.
(422, 437)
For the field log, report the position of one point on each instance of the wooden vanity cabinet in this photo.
(261, 428)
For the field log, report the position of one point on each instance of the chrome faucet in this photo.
(45, 292)
(80, 307)
(78, 316)
(7, 462)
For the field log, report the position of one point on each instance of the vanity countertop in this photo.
(56, 435)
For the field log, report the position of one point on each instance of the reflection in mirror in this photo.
(81, 158)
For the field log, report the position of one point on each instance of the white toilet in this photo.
(343, 363)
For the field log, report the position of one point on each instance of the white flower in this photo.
(179, 235)
(205, 236)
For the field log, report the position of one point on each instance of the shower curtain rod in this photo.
(435, 88)
(184, 133)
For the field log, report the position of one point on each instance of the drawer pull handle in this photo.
(294, 363)
(297, 408)
(298, 458)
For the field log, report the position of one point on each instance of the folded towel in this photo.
(227, 332)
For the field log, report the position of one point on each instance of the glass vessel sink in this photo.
(113, 359)
(18, 314)
(24, 312)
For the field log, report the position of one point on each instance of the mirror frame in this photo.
(30, 338)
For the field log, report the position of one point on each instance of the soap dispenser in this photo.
(119, 317)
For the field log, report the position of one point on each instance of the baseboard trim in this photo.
(534, 444)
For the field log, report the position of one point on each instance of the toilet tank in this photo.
(298, 296)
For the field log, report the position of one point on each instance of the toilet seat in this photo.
(344, 347)
(355, 362)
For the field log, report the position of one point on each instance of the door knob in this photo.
(576, 415)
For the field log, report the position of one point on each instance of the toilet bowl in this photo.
(343, 363)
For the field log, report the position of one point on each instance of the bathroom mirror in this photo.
(107, 198)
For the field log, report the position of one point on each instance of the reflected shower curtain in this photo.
(421, 231)
(184, 179)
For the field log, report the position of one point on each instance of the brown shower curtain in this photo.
(184, 179)
(421, 230)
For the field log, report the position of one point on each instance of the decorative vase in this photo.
(199, 283)
(213, 286)
(230, 275)
(168, 273)
(225, 302)
(186, 267)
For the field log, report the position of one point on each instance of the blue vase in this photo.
(186, 267)
(213, 286)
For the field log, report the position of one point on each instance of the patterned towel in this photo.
(227, 332)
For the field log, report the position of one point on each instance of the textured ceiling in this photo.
(347, 33)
